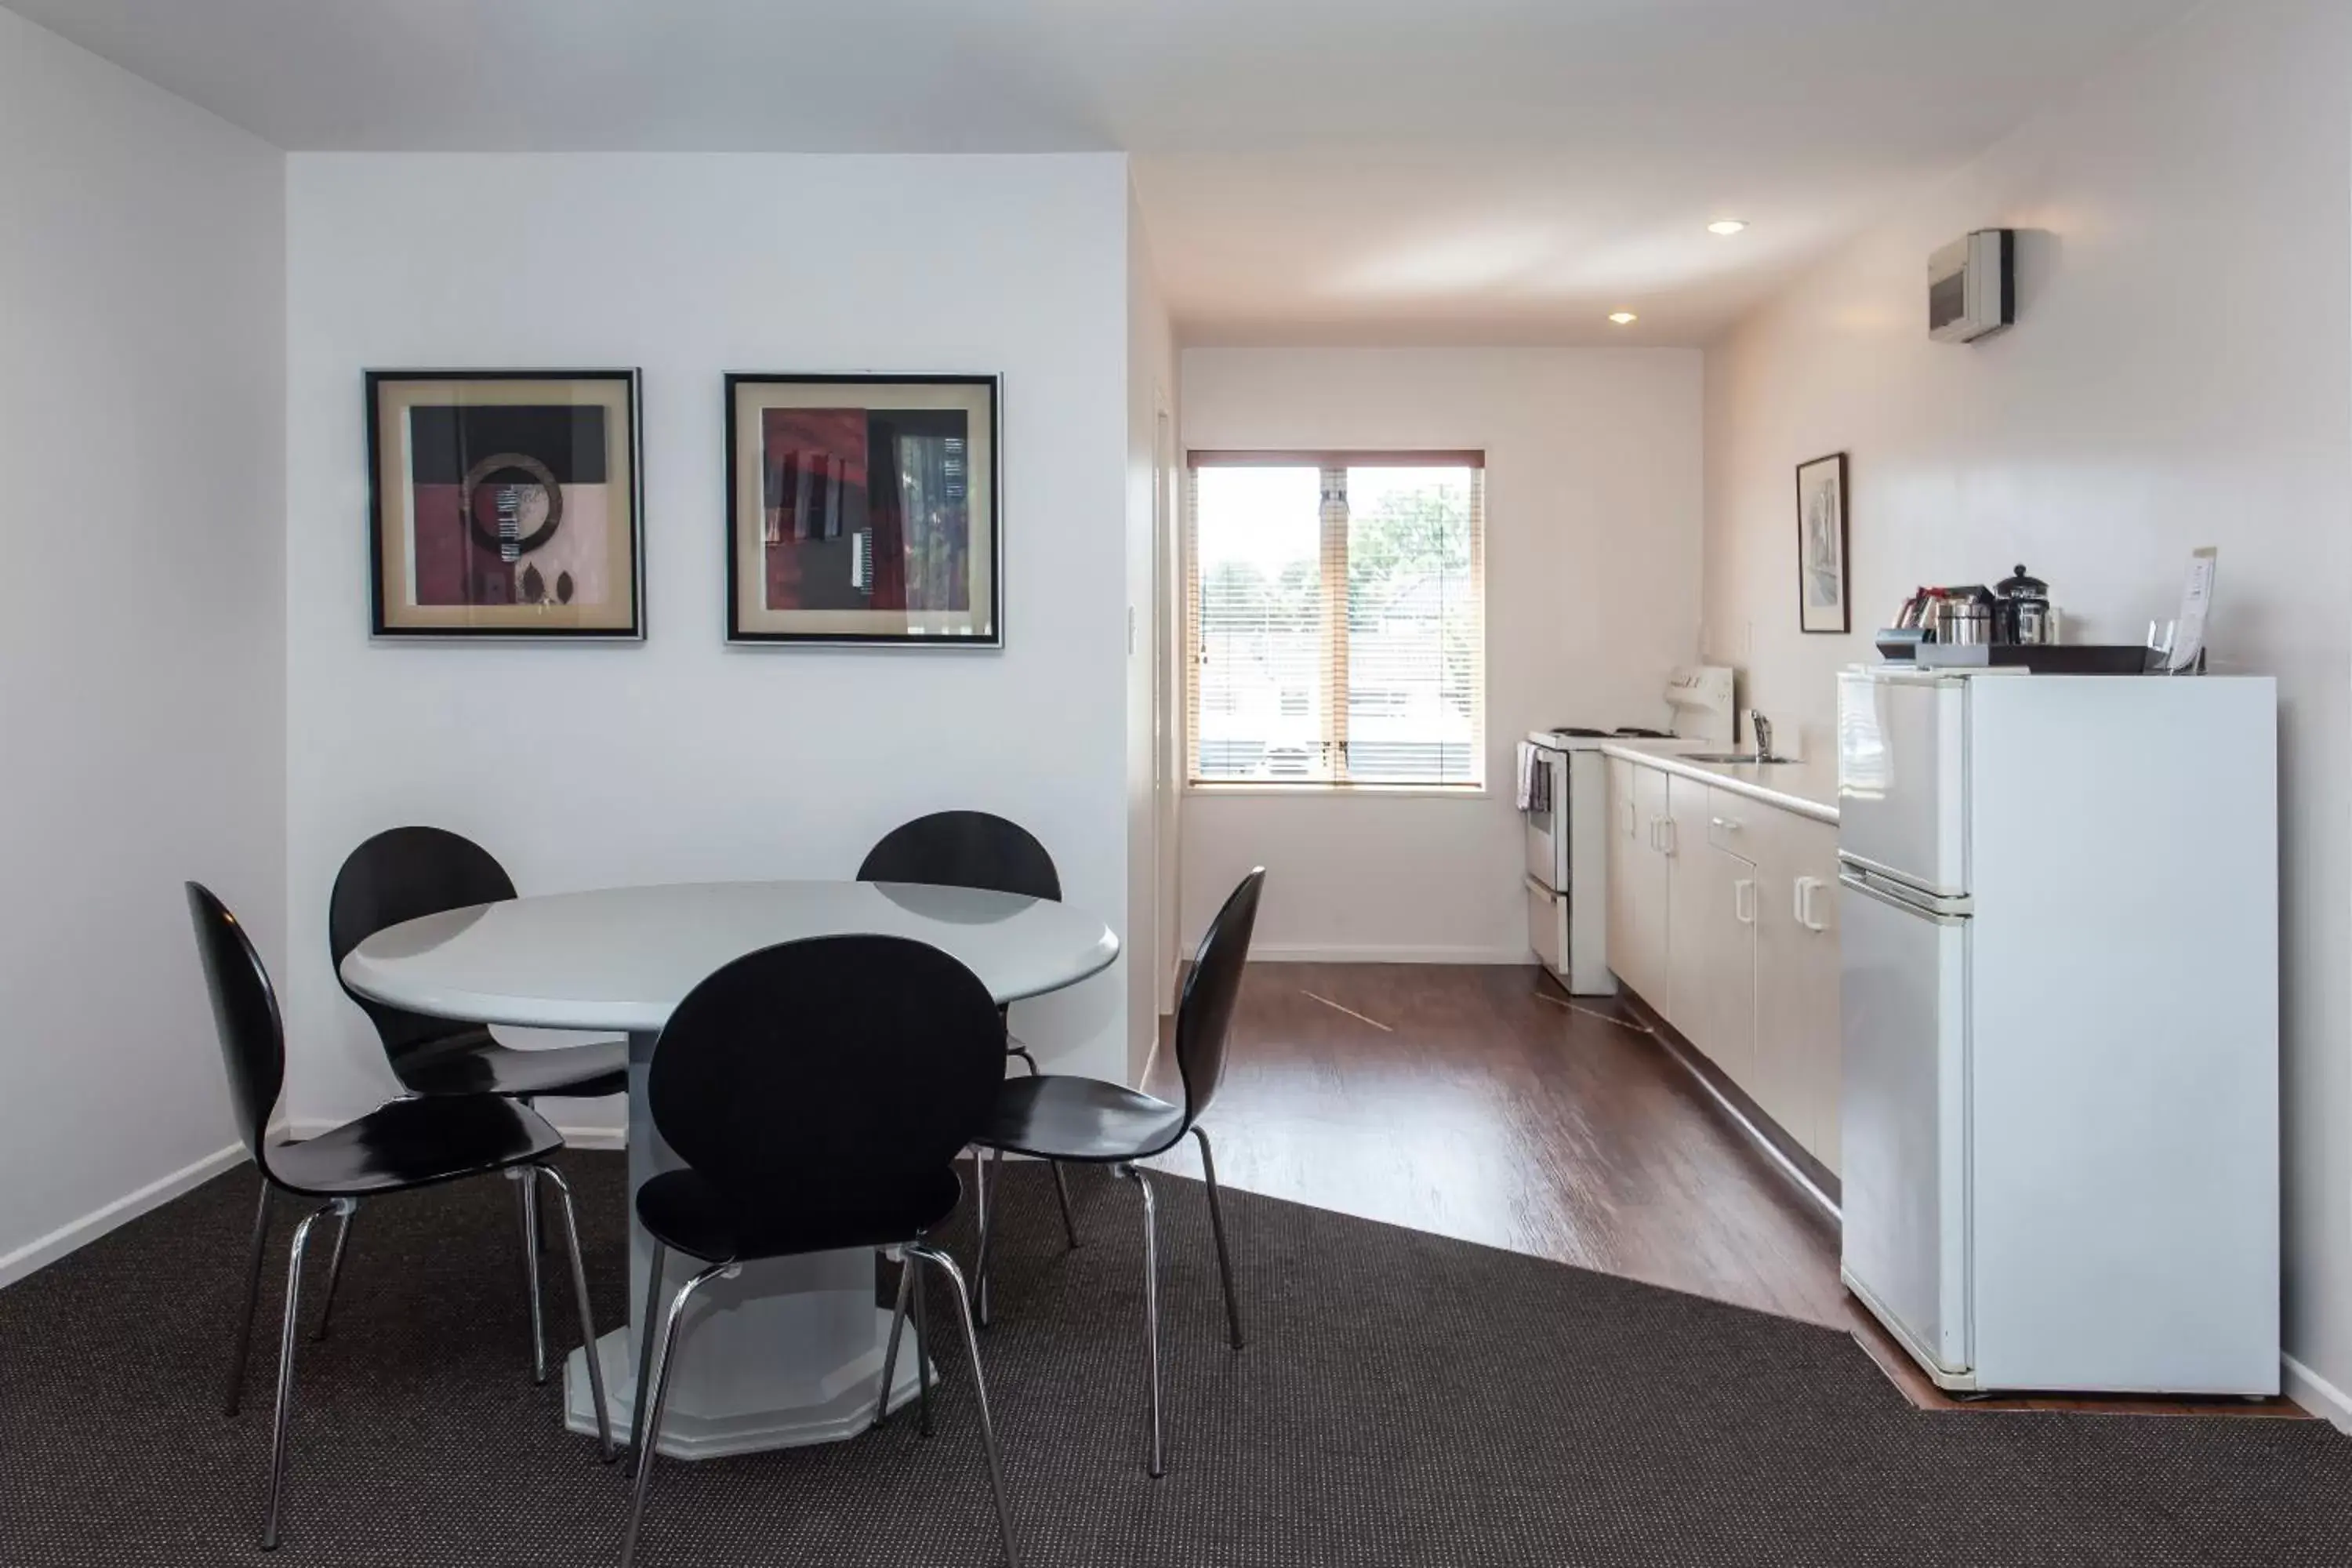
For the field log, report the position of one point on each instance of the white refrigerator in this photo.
(2058, 915)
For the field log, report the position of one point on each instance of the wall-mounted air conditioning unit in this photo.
(1972, 286)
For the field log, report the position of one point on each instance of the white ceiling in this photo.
(1310, 170)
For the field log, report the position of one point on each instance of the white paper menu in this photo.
(2196, 599)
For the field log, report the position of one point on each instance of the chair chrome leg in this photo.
(587, 1320)
(286, 1338)
(946, 1265)
(651, 1425)
(890, 1343)
(1151, 1304)
(334, 1272)
(530, 1190)
(1217, 1227)
(1062, 1196)
(922, 1359)
(987, 1220)
(646, 1347)
(1015, 1049)
(252, 1298)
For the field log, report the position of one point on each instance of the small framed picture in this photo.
(504, 504)
(864, 510)
(1820, 546)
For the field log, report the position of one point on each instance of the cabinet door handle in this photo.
(1806, 888)
(1666, 836)
(1743, 900)
(1725, 823)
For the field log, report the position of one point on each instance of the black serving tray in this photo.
(2041, 658)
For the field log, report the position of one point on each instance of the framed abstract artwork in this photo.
(864, 510)
(505, 504)
(1820, 546)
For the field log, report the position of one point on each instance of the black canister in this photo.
(2021, 608)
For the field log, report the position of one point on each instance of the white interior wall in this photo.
(1150, 368)
(2179, 377)
(1593, 507)
(682, 758)
(141, 624)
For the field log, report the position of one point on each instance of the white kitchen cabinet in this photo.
(1723, 964)
(1797, 977)
(1637, 877)
(1624, 841)
(1722, 915)
(1710, 950)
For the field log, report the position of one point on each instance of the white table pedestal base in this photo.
(765, 1410)
(788, 1352)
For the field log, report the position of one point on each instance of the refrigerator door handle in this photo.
(1872, 891)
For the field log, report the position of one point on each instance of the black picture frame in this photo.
(391, 507)
(754, 624)
(1824, 478)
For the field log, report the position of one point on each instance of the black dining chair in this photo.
(397, 1147)
(975, 850)
(1089, 1121)
(405, 873)
(818, 1094)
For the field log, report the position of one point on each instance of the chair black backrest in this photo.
(245, 1010)
(808, 1071)
(399, 875)
(1204, 1013)
(964, 850)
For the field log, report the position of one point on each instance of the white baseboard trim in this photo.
(2316, 1394)
(40, 1254)
(1263, 952)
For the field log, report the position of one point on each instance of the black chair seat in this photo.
(1080, 1119)
(1066, 1119)
(398, 1147)
(684, 1211)
(470, 1062)
(816, 1094)
(414, 1144)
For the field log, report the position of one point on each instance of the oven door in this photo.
(1547, 823)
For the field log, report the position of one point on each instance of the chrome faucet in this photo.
(1762, 729)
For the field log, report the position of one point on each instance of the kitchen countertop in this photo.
(1809, 788)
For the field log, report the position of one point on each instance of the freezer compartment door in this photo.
(1903, 1116)
(1903, 778)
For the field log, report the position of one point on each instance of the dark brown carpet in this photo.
(1404, 1399)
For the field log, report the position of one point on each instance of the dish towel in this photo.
(1529, 787)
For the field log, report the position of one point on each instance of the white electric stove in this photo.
(1563, 791)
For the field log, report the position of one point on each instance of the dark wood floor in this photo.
(1482, 1103)
(1472, 1102)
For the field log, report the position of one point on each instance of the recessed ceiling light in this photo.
(1727, 225)
(1623, 318)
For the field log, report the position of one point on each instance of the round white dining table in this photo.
(789, 1351)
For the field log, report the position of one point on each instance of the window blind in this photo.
(1335, 613)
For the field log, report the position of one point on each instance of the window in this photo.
(1337, 618)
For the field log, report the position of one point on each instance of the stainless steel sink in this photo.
(1749, 757)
